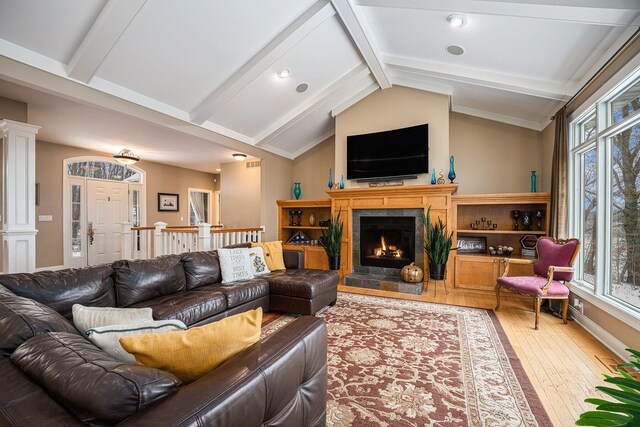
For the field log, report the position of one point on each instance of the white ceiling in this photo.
(212, 64)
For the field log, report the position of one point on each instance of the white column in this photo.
(18, 196)
(204, 236)
(127, 241)
(158, 236)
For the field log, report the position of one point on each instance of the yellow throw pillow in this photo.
(272, 254)
(192, 353)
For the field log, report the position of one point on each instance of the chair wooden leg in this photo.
(537, 302)
(565, 308)
(498, 286)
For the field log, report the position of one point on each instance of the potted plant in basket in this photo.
(331, 241)
(437, 243)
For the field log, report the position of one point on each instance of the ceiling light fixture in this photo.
(455, 50)
(218, 169)
(284, 73)
(126, 157)
(456, 20)
(239, 156)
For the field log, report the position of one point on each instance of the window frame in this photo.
(599, 294)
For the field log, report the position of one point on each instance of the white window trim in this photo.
(598, 294)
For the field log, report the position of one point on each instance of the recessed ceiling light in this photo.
(284, 73)
(302, 87)
(239, 156)
(456, 20)
(455, 50)
(218, 169)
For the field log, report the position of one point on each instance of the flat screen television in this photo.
(390, 153)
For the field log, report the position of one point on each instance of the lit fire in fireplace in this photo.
(387, 251)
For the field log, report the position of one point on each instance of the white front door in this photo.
(107, 209)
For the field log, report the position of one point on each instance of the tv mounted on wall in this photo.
(391, 153)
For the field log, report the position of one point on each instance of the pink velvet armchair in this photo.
(553, 268)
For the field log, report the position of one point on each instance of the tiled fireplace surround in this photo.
(387, 201)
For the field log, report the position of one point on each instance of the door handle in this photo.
(90, 232)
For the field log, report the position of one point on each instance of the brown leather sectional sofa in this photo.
(278, 381)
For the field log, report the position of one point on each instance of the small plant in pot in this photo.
(331, 241)
(437, 243)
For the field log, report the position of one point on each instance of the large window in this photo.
(605, 196)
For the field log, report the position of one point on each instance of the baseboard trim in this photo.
(51, 267)
(599, 333)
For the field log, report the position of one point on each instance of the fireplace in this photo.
(387, 241)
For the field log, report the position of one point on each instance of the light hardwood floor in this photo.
(559, 359)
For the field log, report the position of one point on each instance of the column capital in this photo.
(6, 125)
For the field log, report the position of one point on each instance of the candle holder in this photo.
(299, 220)
(483, 224)
(291, 214)
(516, 215)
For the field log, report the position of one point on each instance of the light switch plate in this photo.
(45, 218)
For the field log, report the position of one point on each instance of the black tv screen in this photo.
(390, 153)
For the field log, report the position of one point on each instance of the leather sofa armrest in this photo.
(281, 380)
(293, 259)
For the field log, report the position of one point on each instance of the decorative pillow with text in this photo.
(235, 265)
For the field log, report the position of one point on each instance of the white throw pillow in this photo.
(93, 317)
(108, 337)
(235, 264)
(258, 262)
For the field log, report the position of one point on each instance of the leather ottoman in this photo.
(302, 291)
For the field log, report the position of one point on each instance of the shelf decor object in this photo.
(297, 191)
(330, 184)
(342, 182)
(433, 176)
(526, 221)
(472, 244)
(452, 172)
(539, 216)
(533, 182)
(312, 219)
(528, 243)
(299, 238)
(516, 216)
(441, 177)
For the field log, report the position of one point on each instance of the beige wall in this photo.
(277, 179)
(626, 334)
(240, 195)
(311, 169)
(13, 110)
(548, 141)
(160, 178)
(395, 108)
(494, 157)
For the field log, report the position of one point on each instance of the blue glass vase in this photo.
(533, 182)
(452, 172)
(342, 182)
(330, 184)
(433, 177)
(297, 191)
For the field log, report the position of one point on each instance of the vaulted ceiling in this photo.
(213, 64)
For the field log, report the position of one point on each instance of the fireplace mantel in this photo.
(438, 197)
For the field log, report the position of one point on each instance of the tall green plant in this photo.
(625, 411)
(437, 242)
(331, 241)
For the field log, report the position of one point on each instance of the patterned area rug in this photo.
(405, 363)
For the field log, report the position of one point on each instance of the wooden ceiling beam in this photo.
(363, 39)
(108, 28)
(283, 42)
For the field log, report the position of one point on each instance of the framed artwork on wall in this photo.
(168, 202)
(472, 244)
